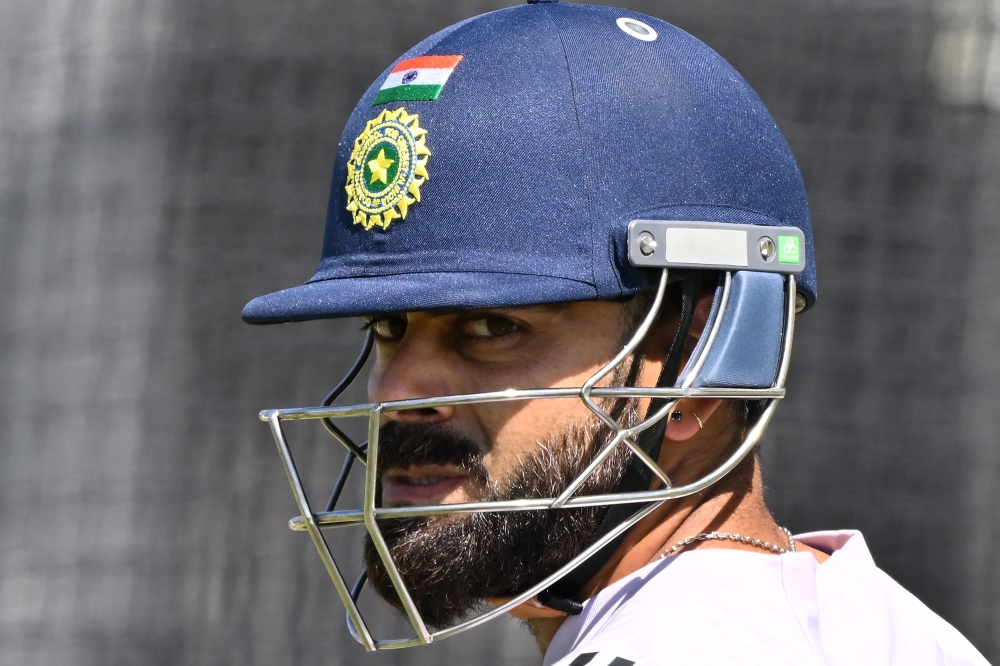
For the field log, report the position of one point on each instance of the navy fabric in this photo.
(747, 349)
(555, 130)
(350, 296)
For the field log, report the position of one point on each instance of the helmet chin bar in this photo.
(649, 500)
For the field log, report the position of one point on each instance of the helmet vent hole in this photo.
(636, 29)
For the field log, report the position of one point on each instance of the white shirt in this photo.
(721, 606)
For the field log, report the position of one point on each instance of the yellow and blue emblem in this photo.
(387, 167)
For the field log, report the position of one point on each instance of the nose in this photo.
(420, 366)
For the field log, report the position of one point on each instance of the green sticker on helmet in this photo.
(789, 250)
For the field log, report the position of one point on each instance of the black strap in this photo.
(637, 477)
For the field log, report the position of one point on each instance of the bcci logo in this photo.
(386, 169)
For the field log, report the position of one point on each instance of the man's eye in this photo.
(489, 327)
(390, 328)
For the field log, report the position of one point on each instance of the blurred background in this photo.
(162, 162)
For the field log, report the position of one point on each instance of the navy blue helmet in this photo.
(512, 175)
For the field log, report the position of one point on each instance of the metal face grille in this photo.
(369, 515)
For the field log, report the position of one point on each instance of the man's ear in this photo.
(694, 414)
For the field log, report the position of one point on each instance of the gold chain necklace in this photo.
(750, 541)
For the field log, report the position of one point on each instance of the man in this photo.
(579, 242)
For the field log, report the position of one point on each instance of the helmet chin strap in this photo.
(638, 477)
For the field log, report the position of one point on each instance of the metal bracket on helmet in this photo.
(716, 246)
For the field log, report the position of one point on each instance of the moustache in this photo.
(405, 445)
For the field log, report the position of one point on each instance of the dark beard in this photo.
(450, 564)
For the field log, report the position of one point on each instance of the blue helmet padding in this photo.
(747, 349)
(709, 323)
(554, 132)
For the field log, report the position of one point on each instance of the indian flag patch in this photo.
(417, 79)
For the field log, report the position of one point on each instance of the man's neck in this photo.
(735, 505)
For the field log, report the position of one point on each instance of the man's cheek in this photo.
(516, 445)
(374, 377)
(503, 461)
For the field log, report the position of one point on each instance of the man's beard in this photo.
(451, 563)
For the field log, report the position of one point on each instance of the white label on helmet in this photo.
(711, 247)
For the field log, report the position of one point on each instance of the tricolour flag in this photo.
(417, 79)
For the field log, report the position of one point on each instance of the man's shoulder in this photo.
(857, 611)
(701, 606)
